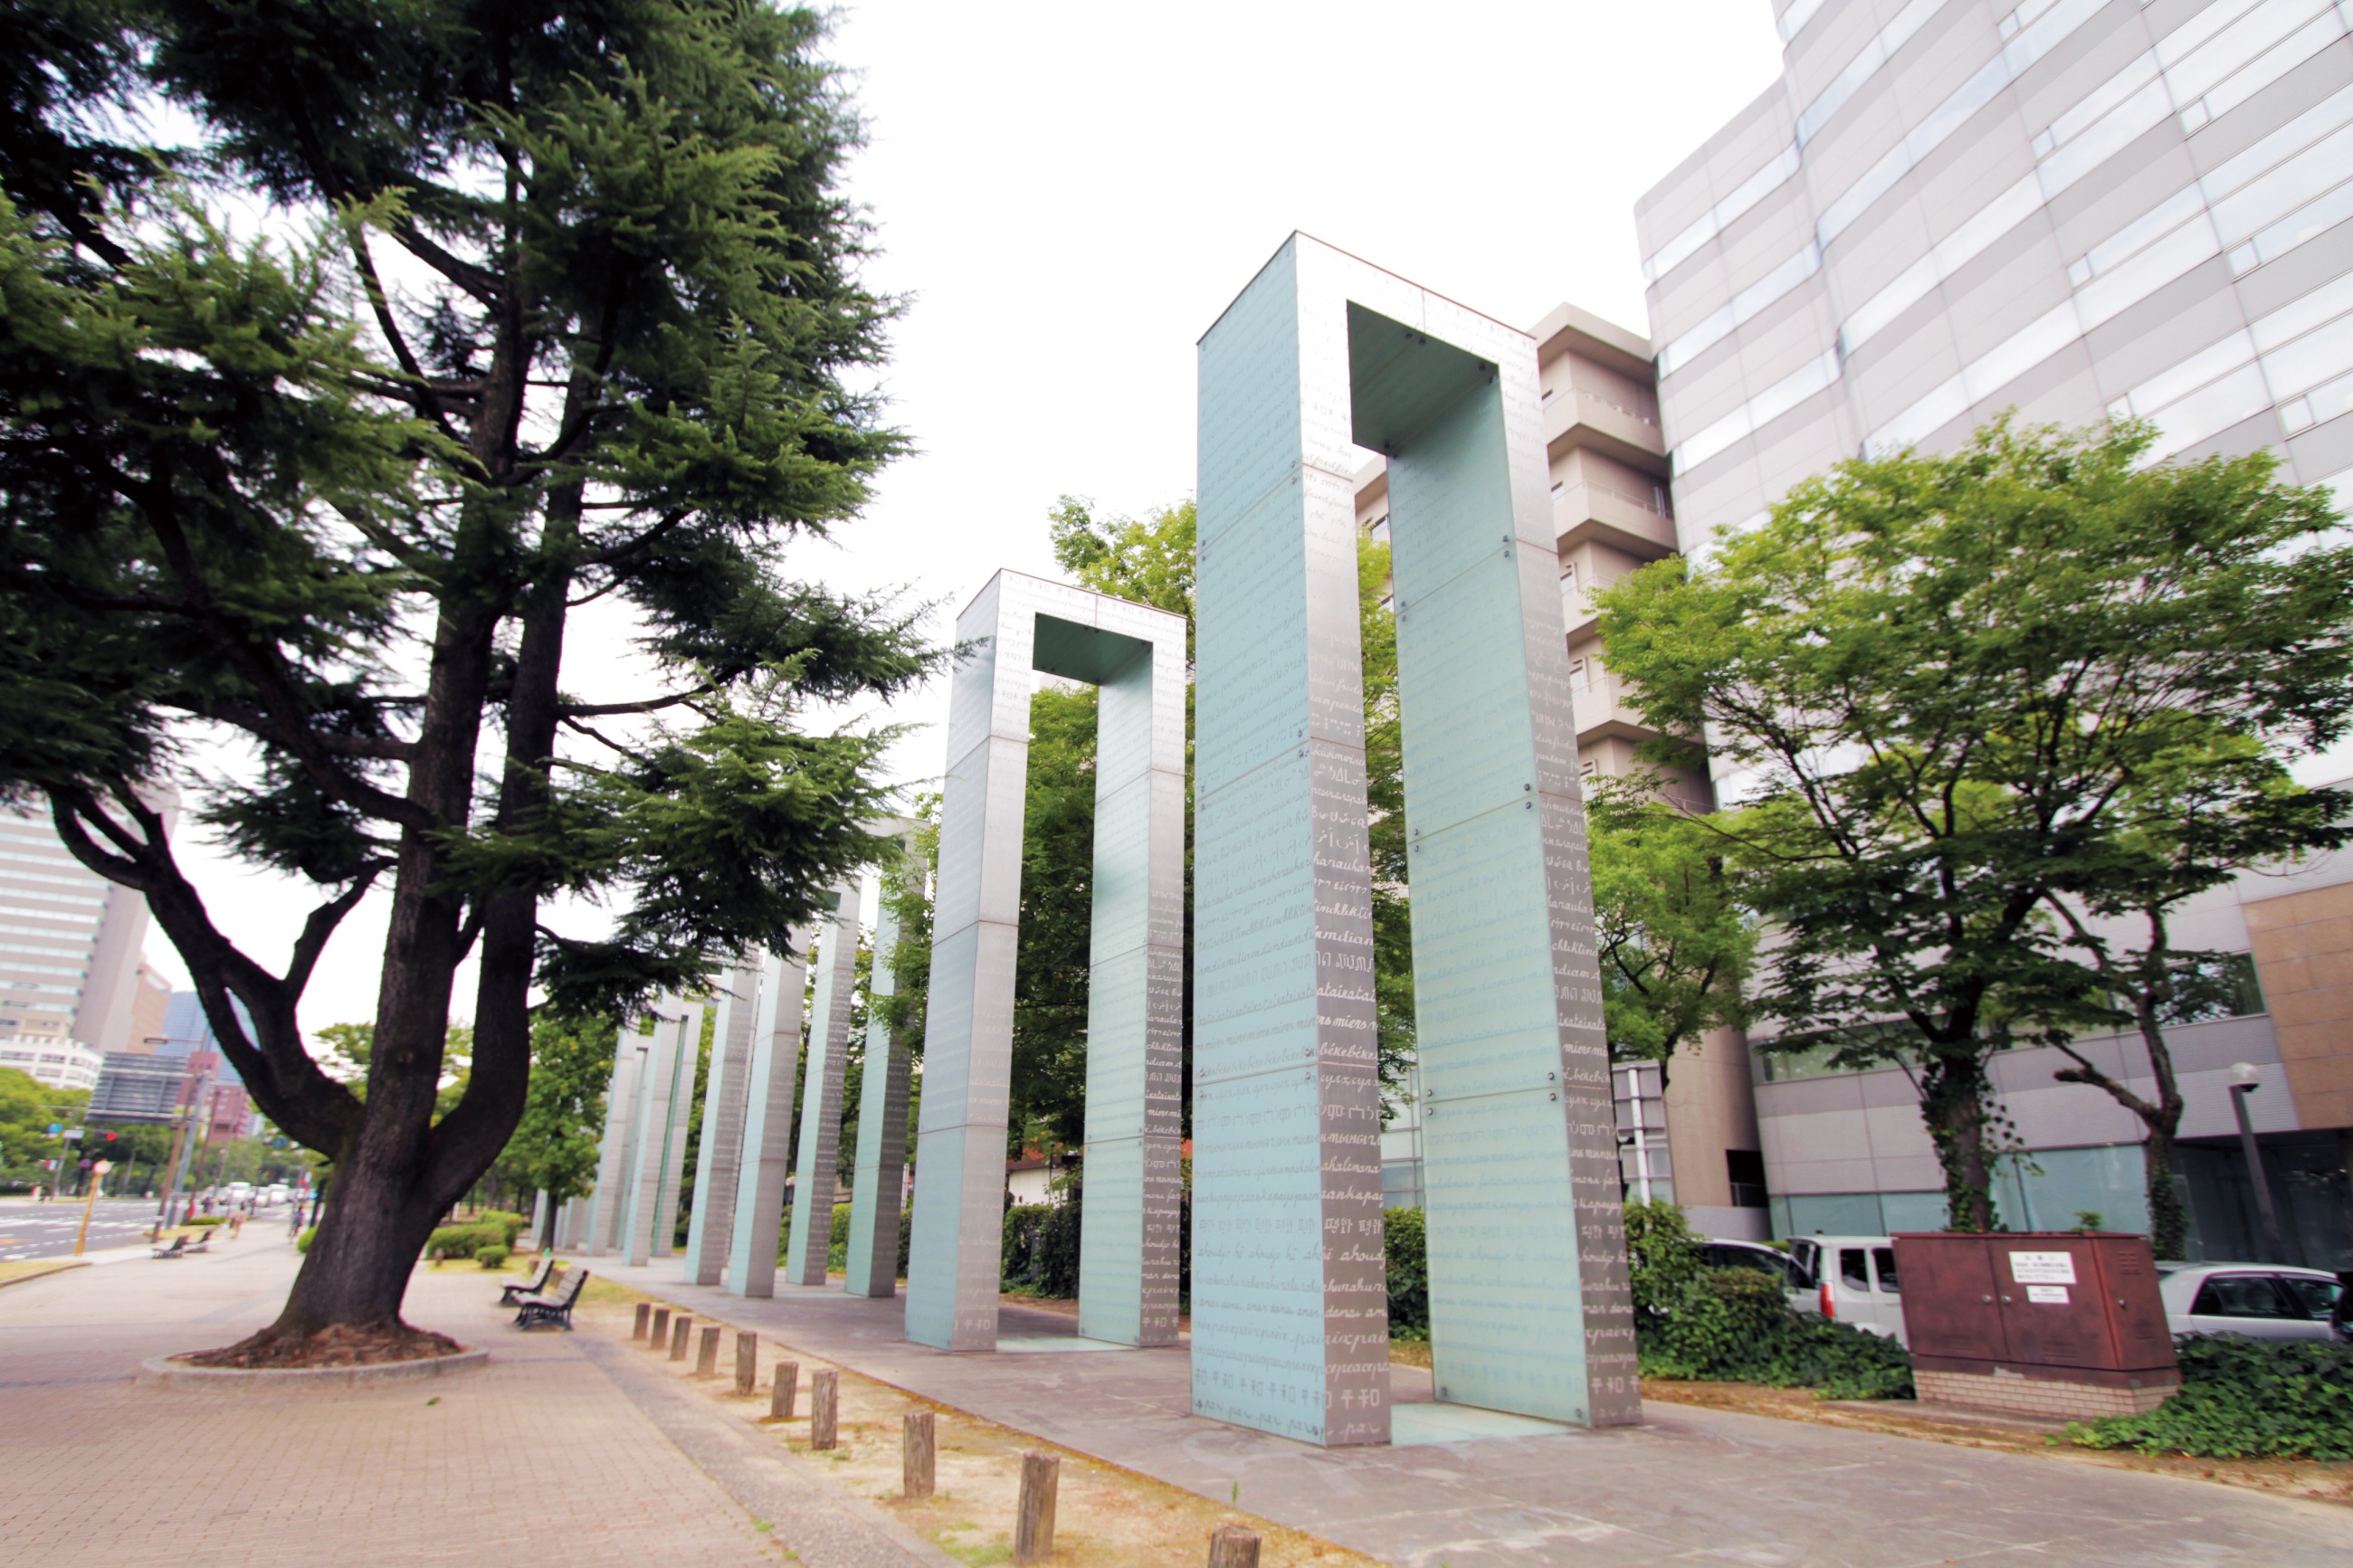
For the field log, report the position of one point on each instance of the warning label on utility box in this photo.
(2043, 1268)
(2047, 1295)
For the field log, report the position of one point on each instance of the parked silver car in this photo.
(2261, 1300)
(1853, 1280)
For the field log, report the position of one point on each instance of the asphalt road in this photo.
(28, 1229)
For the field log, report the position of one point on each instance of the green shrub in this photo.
(1663, 1258)
(464, 1240)
(1733, 1325)
(302, 1242)
(202, 1221)
(491, 1256)
(1405, 1243)
(2244, 1399)
(1041, 1250)
(837, 1241)
(507, 1222)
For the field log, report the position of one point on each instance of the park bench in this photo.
(553, 1308)
(180, 1247)
(513, 1294)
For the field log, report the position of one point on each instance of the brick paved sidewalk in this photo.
(539, 1459)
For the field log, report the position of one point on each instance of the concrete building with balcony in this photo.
(1695, 1143)
(2078, 210)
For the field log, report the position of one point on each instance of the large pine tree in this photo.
(572, 314)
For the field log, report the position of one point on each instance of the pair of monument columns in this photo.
(642, 1157)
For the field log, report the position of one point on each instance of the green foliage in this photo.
(1040, 1248)
(465, 1240)
(1393, 1003)
(1406, 1245)
(2244, 1399)
(1674, 942)
(302, 1242)
(1662, 1257)
(491, 1256)
(1055, 962)
(837, 1238)
(506, 1222)
(1735, 1325)
(205, 1221)
(25, 1118)
(554, 1145)
(1960, 684)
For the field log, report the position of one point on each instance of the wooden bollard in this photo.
(645, 1313)
(659, 1335)
(680, 1327)
(780, 1397)
(706, 1354)
(1231, 1546)
(824, 1407)
(1033, 1526)
(915, 1449)
(747, 1361)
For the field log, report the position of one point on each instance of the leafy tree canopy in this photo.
(1949, 685)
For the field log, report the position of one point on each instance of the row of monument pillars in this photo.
(1321, 356)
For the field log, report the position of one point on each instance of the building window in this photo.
(1744, 1168)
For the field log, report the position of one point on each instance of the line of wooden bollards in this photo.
(1231, 1545)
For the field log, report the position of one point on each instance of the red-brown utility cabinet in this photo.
(2076, 1312)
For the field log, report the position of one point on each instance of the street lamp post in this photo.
(2244, 1077)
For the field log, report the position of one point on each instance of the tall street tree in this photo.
(2190, 823)
(565, 312)
(1944, 680)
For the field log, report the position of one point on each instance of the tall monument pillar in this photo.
(1323, 354)
(719, 1158)
(815, 1173)
(879, 1173)
(1015, 626)
(771, 1087)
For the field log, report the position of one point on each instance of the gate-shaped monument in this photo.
(1320, 355)
(1128, 1253)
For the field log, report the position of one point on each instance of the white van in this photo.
(1854, 1279)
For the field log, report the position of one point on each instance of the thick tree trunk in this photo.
(2168, 1221)
(1954, 1102)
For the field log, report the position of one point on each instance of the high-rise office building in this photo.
(2079, 209)
(70, 944)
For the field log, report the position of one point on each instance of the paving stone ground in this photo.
(1689, 1485)
(539, 1459)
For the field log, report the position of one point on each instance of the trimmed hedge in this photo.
(491, 1256)
(2244, 1399)
(202, 1221)
(465, 1240)
(302, 1242)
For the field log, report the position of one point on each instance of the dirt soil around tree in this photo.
(2322, 1481)
(374, 1344)
(1103, 1514)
